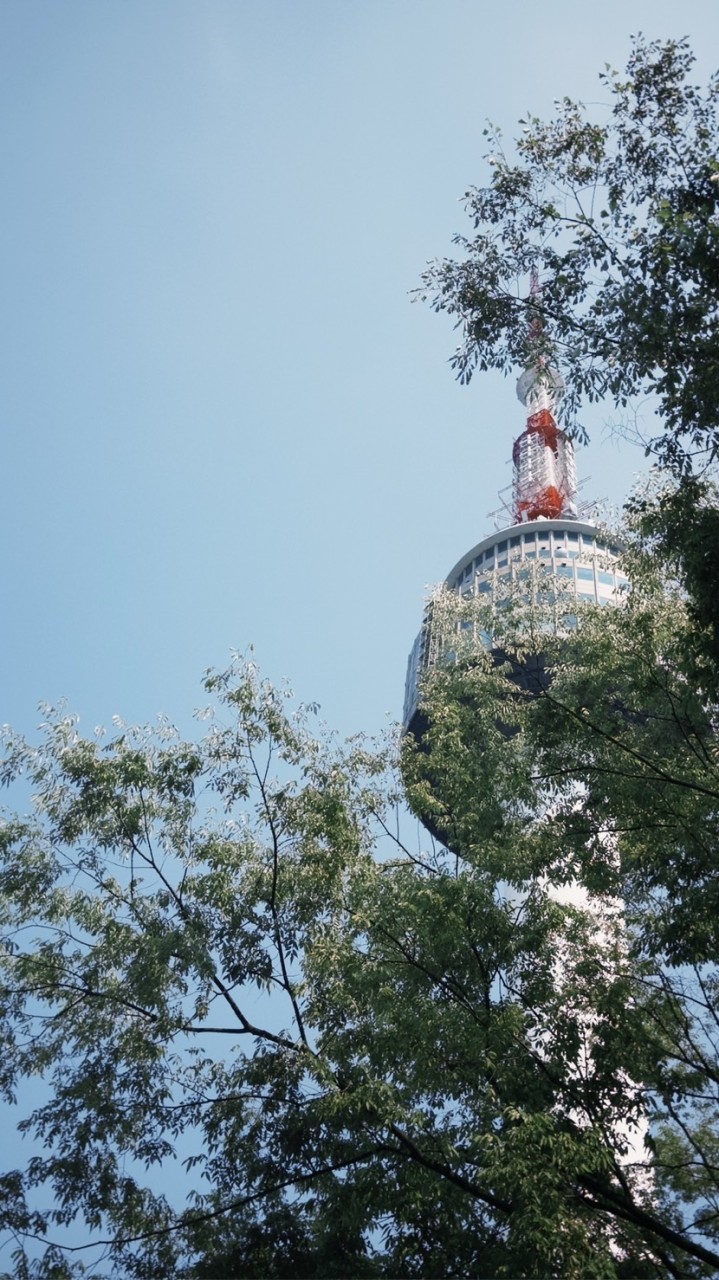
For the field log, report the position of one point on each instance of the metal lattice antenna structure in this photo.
(545, 477)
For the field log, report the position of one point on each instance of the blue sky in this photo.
(223, 420)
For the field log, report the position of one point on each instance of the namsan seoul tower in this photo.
(545, 524)
(546, 530)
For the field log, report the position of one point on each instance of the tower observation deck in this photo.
(545, 527)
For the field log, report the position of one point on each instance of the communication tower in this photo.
(545, 523)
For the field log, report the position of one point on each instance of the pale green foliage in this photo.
(584, 759)
(617, 210)
(160, 883)
(376, 1059)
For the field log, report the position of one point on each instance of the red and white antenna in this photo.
(545, 477)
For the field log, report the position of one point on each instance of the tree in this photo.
(451, 1068)
(609, 743)
(619, 217)
(681, 524)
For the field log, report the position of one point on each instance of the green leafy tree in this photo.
(606, 735)
(618, 212)
(374, 1058)
(681, 525)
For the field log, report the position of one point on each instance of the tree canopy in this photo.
(373, 1055)
(617, 212)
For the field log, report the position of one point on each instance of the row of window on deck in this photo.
(566, 546)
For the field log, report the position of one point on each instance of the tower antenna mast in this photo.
(545, 477)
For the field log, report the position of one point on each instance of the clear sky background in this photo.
(223, 420)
